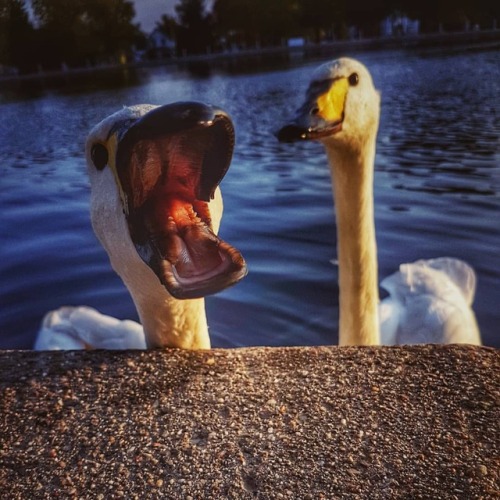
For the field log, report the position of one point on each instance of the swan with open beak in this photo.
(167, 166)
(156, 208)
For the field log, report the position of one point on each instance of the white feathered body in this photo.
(84, 328)
(429, 302)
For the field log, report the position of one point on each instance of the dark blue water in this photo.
(437, 190)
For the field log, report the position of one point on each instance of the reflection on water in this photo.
(437, 191)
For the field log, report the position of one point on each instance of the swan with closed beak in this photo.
(430, 300)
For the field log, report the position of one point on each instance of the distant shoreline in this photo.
(474, 39)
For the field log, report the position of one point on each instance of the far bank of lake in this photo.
(259, 58)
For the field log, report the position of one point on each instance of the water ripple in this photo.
(437, 188)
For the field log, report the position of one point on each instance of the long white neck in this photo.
(352, 177)
(167, 322)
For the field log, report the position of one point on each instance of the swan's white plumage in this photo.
(429, 302)
(85, 328)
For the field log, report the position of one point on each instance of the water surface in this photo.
(437, 186)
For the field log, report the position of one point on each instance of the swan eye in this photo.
(353, 79)
(99, 155)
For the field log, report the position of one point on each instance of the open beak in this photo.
(321, 115)
(169, 164)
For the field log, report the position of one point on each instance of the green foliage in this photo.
(71, 32)
(321, 16)
(78, 32)
(194, 34)
(168, 25)
(15, 32)
(268, 20)
(262, 22)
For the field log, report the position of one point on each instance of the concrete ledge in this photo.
(413, 422)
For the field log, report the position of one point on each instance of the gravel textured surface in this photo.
(414, 422)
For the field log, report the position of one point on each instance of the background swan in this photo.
(429, 300)
(156, 209)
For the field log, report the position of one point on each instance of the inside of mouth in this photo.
(180, 234)
(168, 183)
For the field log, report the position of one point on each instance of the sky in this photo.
(147, 12)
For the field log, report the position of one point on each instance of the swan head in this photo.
(341, 107)
(156, 205)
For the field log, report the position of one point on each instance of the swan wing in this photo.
(458, 272)
(432, 299)
(431, 320)
(85, 328)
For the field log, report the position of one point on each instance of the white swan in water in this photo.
(156, 209)
(430, 300)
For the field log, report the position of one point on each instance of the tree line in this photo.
(78, 33)
(65, 32)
